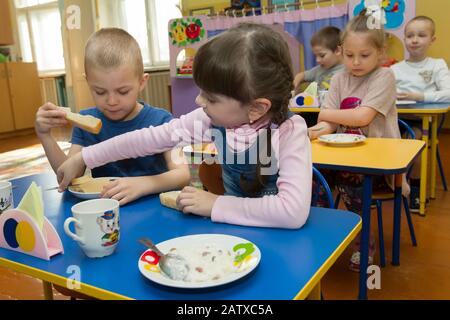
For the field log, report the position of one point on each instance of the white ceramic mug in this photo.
(96, 226)
(6, 196)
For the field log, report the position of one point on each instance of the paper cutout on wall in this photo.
(397, 14)
(185, 31)
(393, 11)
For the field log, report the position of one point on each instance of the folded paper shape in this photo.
(33, 204)
(311, 90)
(26, 229)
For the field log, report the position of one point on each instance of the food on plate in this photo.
(207, 262)
(90, 185)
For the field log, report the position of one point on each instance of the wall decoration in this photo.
(295, 26)
(186, 31)
(396, 13)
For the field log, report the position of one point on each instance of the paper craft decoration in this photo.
(306, 99)
(186, 31)
(395, 13)
(32, 203)
(29, 231)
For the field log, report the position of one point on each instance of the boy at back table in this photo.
(326, 47)
(423, 79)
(115, 75)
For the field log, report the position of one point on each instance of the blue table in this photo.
(292, 264)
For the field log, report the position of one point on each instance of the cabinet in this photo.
(20, 95)
(6, 33)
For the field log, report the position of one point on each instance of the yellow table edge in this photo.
(399, 110)
(315, 280)
(61, 281)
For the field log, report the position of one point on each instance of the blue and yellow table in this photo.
(429, 113)
(292, 264)
(375, 156)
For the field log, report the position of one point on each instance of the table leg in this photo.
(397, 220)
(48, 290)
(424, 165)
(434, 141)
(315, 293)
(365, 235)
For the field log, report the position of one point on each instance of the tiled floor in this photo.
(424, 272)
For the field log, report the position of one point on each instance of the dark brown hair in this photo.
(248, 62)
(328, 37)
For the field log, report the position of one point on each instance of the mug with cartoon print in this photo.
(6, 196)
(96, 226)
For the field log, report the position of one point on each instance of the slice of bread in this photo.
(91, 185)
(80, 180)
(169, 199)
(85, 122)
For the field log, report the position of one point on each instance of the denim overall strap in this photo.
(242, 165)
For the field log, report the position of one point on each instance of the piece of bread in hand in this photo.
(85, 122)
(169, 199)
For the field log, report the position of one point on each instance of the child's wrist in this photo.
(44, 136)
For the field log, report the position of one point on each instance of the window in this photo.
(146, 20)
(39, 26)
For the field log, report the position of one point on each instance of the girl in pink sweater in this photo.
(245, 80)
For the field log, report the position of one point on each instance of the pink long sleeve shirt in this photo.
(287, 209)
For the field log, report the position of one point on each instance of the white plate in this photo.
(400, 102)
(240, 247)
(206, 149)
(88, 195)
(342, 139)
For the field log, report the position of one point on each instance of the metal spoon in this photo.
(173, 265)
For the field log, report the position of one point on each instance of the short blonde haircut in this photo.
(111, 48)
(426, 19)
(360, 24)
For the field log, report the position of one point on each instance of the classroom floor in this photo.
(424, 272)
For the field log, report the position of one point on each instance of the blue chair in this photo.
(321, 182)
(386, 195)
(379, 197)
(438, 155)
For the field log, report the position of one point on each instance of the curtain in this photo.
(299, 24)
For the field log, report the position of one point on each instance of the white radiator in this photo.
(157, 92)
(48, 90)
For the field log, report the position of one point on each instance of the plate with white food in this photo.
(212, 260)
(342, 139)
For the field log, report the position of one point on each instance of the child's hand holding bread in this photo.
(51, 116)
(48, 117)
(169, 199)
